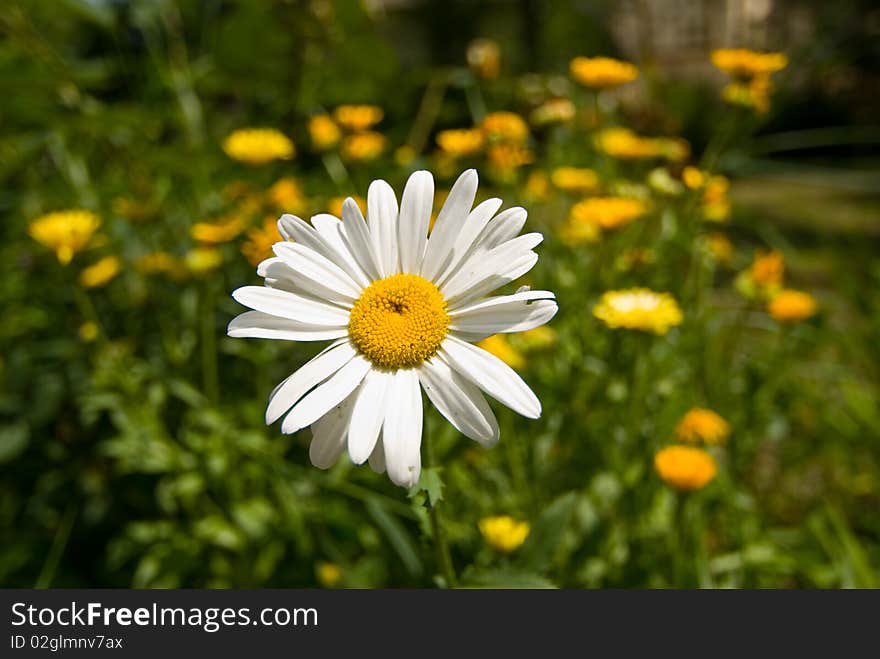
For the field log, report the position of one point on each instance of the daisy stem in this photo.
(441, 544)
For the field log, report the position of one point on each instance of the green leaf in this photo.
(13, 440)
(397, 535)
(547, 531)
(431, 483)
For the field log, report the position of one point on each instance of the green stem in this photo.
(441, 543)
(210, 378)
(47, 574)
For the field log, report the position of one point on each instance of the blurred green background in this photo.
(132, 445)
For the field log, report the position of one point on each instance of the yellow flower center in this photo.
(399, 321)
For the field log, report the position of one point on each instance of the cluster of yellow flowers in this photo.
(764, 280)
(689, 468)
(503, 136)
(751, 71)
(714, 203)
(351, 128)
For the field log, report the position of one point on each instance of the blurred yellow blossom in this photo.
(754, 94)
(504, 533)
(789, 306)
(202, 260)
(768, 269)
(719, 247)
(219, 231)
(638, 309)
(622, 143)
(358, 117)
(368, 145)
(65, 232)
(602, 72)
(508, 157)
(328, 574)
(505, 127)
(715, 202)
(89, 331)
(685, 468)
(574, 234)
(607, 212)
(498, 345)
(258, 146)
(694, 178)
(334, 205)
(537, 186)
(101, 272)
(260, 239)
(461, 142)
(159, 262)
(574, 179)
(484, 58)
(286, 195)
(323, 132)
(744, 63)
(702, 425)
(552, 111)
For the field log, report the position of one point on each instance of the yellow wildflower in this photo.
(574, 179)
(328, 574)
(88, 331)
(101, 272)
(754, 94)
(789, 306)
(624, 144)
(719, 246)
(365, 146)
(258, 245)
(461, 142)
(602, 72)
(607, 212)
(258, 146)
(537, 187)
(286, 194)
(484, 58)
(505, 127)
(323, 132)
(715, 203)
(685, 467)
(503, 532)
(358, 117)
(220, 231)
(744, 63)
(574, 234)
(202, 260)
(498, 345)
(65, 232)
(508, 157)
(638, 309)
(702, 425)
(694, 178)
(553, 111)
(768, 269)
(334, 205)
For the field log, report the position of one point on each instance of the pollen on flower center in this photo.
(399, 321)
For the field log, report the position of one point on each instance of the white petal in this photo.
(317, 274)
(326, 396)
(448, 226)
(259, 325)
(491, 375)
(329, 433)
(506, 226)
(289, 305)
(332, 231)
(308, 376)
(464, 243)
(415, 216)
(327, 243)
(357, 238)
(519, 312)
(382, 220)
(486, 272)
(402, 434)
(459, 401)
(368, 415)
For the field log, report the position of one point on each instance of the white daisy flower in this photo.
(402, 308)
